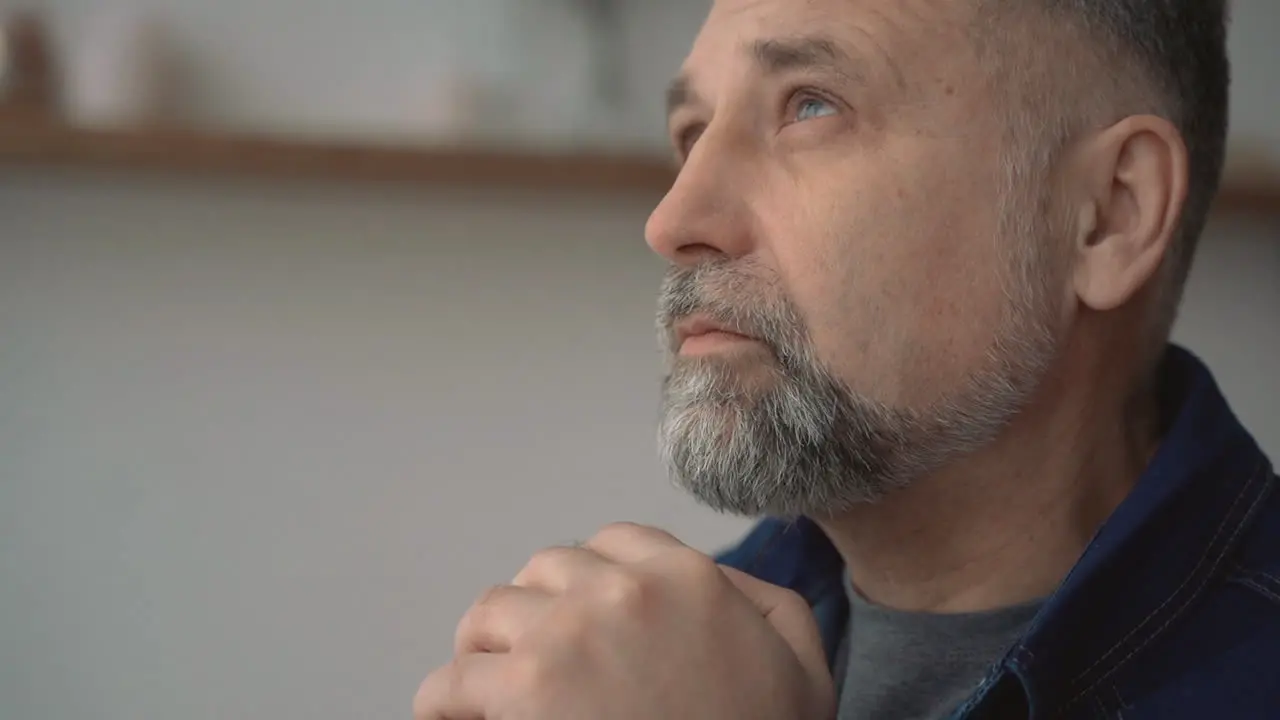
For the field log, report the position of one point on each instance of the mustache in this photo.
(737, 294)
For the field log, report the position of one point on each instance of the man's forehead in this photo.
(924, 9)
(883, 38)
(892, 26)
(776, 55)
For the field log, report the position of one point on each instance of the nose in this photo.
(706, 213)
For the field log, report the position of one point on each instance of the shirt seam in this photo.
(1214, 547)
(1252, 582)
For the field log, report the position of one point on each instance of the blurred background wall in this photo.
(262, 442)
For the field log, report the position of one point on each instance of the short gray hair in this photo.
(1163, 57)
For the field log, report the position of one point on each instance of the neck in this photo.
(1004, 525)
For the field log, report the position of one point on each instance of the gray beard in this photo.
(771, 431)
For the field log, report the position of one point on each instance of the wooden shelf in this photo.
(1252, 192)
(1255, 192)
(194, 152)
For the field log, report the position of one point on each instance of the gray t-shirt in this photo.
(896, 665)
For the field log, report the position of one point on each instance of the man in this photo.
(925, 256)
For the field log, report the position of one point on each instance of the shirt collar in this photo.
(1145, 566)
(1156, 553)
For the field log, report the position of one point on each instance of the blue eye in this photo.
(810, 108)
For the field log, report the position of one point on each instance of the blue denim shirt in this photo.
(1171, 612)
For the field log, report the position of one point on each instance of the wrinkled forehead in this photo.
(901, 41)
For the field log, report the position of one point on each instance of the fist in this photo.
(632, 624)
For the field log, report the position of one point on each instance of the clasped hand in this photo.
(632, 624)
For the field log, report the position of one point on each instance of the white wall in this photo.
(1255, 56)
(261, 444)
(1231, 318)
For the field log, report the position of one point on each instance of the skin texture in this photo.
(863, 203)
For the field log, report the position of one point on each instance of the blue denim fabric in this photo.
(1171, 612)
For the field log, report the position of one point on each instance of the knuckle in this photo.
(488, 597)
(464, 633)
(619, 531)
(472, 620)
(421, 701)
(478, 619)
(443, 682)
(547, 560)
(455, 681)
(627, 592)
(628, 532)
(701, 580)
(699, 569)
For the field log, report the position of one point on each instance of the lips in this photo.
(701, 326)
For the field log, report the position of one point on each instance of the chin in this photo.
(738, 378)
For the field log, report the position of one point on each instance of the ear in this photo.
(1134, 181)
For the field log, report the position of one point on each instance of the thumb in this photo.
(790, 617)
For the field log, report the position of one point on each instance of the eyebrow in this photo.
(777, 56)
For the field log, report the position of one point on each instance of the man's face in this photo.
(843, 204)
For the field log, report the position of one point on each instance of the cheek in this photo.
(900, 284)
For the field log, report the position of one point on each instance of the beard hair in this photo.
(786, 437)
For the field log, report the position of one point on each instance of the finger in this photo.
(556, 568)
(465, 689)
(789, 615)
(495, 622)
(632, 543)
